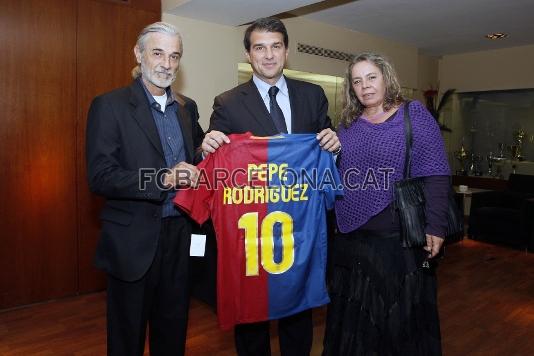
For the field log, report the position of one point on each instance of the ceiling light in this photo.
(496, 36)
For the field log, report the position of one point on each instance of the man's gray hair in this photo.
(159, 27)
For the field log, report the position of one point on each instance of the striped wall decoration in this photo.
(323, 52)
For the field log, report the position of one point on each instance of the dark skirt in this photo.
(383, 302)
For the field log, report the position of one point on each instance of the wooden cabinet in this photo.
(480, 182)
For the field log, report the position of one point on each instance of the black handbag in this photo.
(410, 200)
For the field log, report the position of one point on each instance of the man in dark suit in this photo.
(140, 147)
(269, 104)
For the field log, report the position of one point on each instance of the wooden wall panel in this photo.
(56, 56)
(153, 6)
(107, 31)
(37, 151)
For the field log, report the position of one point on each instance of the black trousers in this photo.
(160, 299)
(295, 333)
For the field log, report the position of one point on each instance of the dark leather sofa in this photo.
(505, 217)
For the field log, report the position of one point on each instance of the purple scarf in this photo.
(373, 159)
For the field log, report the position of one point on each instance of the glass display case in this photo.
(495, 129)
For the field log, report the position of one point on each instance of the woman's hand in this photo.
(433, 245)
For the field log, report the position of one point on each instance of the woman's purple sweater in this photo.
(373, 159)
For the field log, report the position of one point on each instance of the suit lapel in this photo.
(185, 121)
(294, 101)
(255, 105)
(143, 116)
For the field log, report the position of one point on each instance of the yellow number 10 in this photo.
(249, 222)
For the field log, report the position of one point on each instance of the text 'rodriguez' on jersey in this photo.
(267, 197)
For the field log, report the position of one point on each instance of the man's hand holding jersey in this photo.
(181, 175)
(212, 141)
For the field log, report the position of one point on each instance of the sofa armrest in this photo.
(528, 221)
(486, 198)
(501, 199)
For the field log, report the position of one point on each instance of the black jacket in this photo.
(122, 138)
(241, 109)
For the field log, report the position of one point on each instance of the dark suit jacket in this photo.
(241, 109)
(122, 138)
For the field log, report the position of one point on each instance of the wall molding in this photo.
(324, 52)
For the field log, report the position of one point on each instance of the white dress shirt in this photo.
(282, 98)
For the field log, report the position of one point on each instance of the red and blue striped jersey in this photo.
(267, 197)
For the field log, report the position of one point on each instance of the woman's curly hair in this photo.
(352, 107)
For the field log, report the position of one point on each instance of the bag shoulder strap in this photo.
(408, 139)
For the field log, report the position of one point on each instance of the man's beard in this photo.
(162, 79)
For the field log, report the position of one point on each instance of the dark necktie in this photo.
(276, 113)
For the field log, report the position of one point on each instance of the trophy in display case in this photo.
(462, 156)
(496, 162)
(517, 148)
(474, 166)
(489, 158)
(500, 156)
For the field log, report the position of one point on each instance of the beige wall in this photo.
(427, 74)
(313, 33)
(509, 68)
(209, 63)
(211, 54)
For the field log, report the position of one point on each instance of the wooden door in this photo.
(38, 247)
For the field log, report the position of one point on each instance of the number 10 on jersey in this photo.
(249, 222)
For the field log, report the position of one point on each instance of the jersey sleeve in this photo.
(196, 202)
(331, 185)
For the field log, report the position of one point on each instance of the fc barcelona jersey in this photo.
(267, 197)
